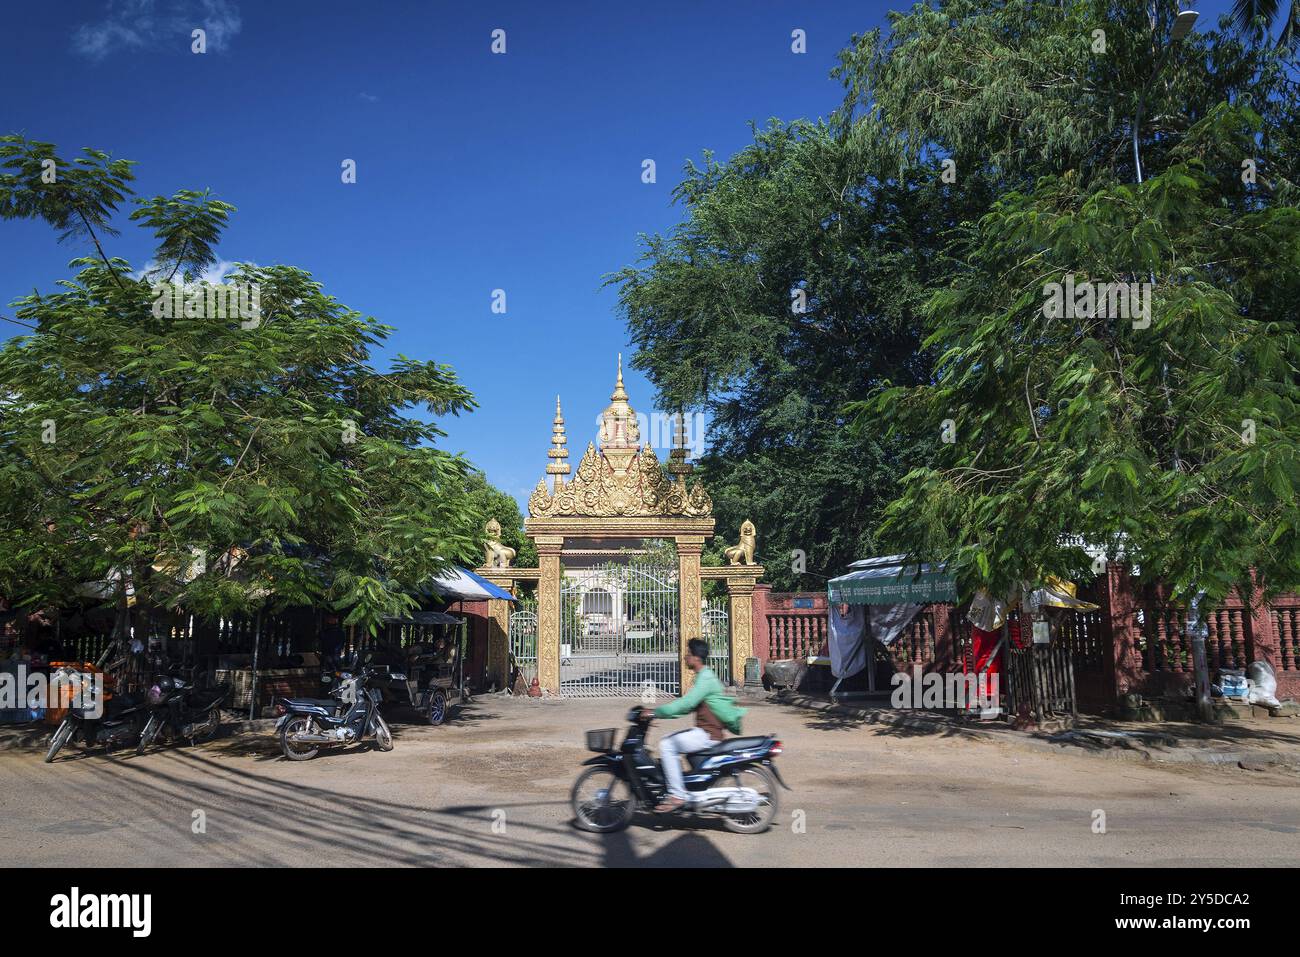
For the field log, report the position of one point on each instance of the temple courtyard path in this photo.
(492, 786)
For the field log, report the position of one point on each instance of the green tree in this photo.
(1257, 17)
(991, 87)
(213, 464)
(793, 285)
(1169, 433)
(982, 151)
(1173, 441)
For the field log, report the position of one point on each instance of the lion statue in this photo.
(743, 554)
(497, 555)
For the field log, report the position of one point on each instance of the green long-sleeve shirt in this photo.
(708, 690)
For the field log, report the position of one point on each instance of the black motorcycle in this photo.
(123, 719)
(348, 716)
(732, 780)
(179, 711)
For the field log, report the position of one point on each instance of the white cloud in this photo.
(214, 274)
(218, 271)
(135, 25)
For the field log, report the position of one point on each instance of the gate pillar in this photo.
(689, 548)
(740, 613)
(548, 611)
(498, 626)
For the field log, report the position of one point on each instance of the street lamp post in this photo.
(1182, 26)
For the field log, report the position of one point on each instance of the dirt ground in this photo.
(491, 788)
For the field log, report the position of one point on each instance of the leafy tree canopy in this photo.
(792, 286)
(1172, 438)
(211, 462)
(898, 252)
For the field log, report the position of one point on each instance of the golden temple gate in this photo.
(610, 627)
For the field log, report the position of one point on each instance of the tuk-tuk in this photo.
(421, 657)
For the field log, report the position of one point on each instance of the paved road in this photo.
(492, 789)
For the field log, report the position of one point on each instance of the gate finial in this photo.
(620, 394)
(558, 453)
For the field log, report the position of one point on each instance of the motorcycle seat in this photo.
(727, 746)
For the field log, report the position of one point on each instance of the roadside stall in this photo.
(1018, 631)
(875, 603)
(1011, 639)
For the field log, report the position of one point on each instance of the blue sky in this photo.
(475, 171)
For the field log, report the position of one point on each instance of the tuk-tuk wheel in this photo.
(437, 706)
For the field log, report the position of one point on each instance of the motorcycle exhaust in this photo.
(732, 800)
(303, 737)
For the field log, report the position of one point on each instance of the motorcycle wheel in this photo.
(751, 822)
(297, 752)
(147, 736)
(595, 807)
(59, 739)
(383, 734)
(437, 707)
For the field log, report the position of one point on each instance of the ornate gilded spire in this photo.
(558, 452)
(620, 436)
(677, 464)
(620, 394)
(619, 478)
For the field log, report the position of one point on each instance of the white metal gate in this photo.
(716, 629)
(523, 638)
(620, 632)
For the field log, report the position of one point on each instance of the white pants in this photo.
(670, 750)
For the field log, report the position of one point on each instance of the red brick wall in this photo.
(476, 617)
(782, 628)
(1240, 632)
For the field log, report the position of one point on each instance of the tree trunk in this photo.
(1204, 706)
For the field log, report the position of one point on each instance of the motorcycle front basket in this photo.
(601, 740)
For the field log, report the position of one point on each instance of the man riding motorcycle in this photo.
(715, 713)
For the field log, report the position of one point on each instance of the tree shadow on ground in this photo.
(884, 722)
(256, 820)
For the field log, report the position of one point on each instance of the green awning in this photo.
(889, 581)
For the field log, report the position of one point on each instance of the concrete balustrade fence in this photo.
(1135, 642)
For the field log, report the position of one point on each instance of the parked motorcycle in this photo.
(732, 780)
(121, 723)
(178, 710)
(348, 716)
